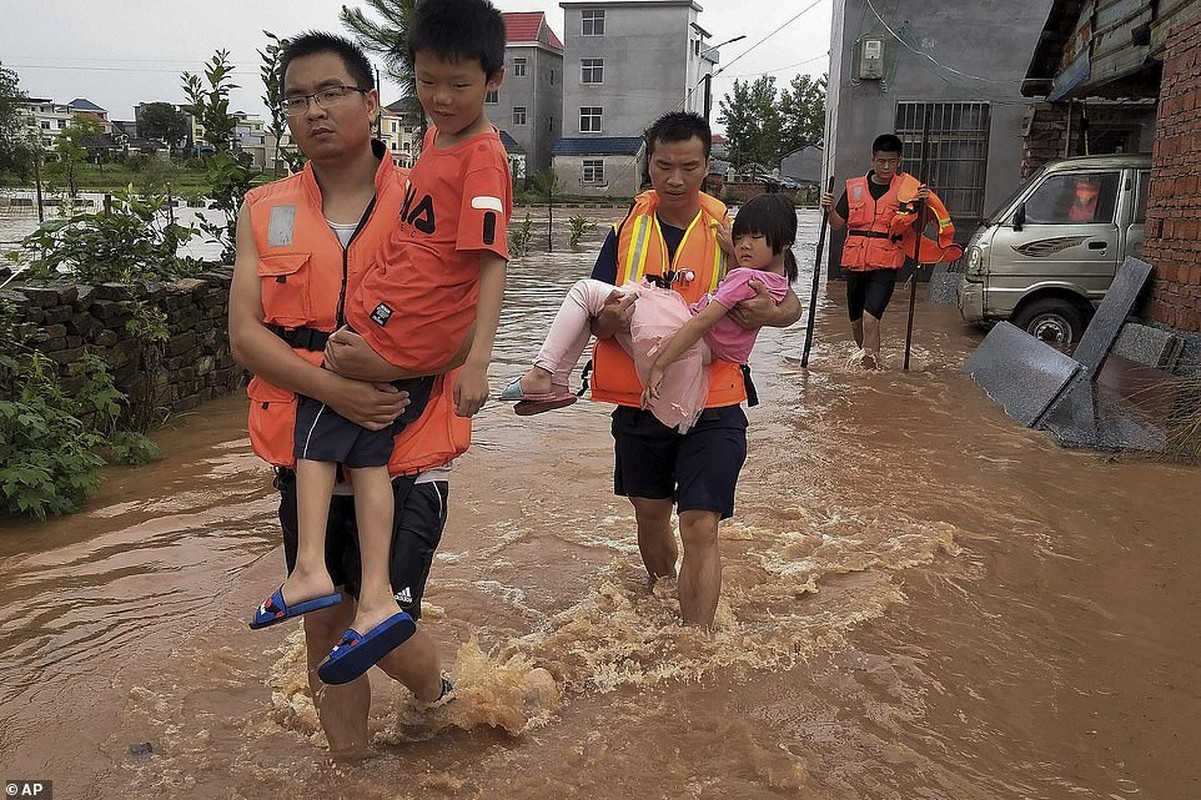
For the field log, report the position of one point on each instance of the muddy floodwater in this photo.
(921, 600)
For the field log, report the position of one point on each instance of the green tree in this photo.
(802, 113)
(71, 147)
(388, 38)
(228, 177)
(164, 122)
(273, 96)
(209, 105)
(548, 188)
(17, 135)
(763, 124)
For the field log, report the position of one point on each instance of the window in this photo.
(1073, 198)
(46, 124)
(492, 97)
(590, 119)
(957, 154)
(519, 68)
(593, 171)
(518, 115)
(394, 127)
(1140, 197)
(592, 23)
(592, 70)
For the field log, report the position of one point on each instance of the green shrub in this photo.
(579, 226)
(519, 240)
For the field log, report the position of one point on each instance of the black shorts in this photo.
(698, 469)
(869, 290)
(418, 517)
(323, 434)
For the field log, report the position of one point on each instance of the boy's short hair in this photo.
(311, 43)
(451, 30)
(887, 143)
(678, 126)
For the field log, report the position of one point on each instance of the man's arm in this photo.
(262, 352)
(761, 311)
(471, 386)
(837, 216)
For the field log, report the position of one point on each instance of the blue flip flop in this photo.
(276, 610)
(356, 653)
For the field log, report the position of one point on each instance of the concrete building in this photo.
(1133, 56)
(627, 62)
(963, 64)
(48, 118)
(529, 105)
(399, 133)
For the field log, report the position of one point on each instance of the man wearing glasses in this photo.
(303, 244)
(872, 253)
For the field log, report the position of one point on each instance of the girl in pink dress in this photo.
(670, 340)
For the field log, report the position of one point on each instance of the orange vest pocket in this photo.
(285, 289)
(272, 422)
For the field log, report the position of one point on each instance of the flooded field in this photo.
(921, 600)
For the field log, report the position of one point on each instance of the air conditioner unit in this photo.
(871, 59)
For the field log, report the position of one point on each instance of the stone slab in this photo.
(1102, 330)
(1152, 347)
(1021, 372)
(1092, 416)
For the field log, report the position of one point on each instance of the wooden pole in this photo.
(917, 242)
(817, 270)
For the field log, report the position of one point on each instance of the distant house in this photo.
(518, 162)
(399, 132)
(803, 165)
(605, 166)
(529, 104)
(49, 117)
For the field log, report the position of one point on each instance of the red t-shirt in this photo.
(416, 303)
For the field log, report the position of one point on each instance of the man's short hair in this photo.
(311, 43)
(887, 143)
(678, 126)
(451, 30)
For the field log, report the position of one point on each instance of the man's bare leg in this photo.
(416, 665)
(700, 572)
(857, 331)
(656, 541)
(342, 710)
(871, 341)
(373, 508)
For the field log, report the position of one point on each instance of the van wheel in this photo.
(1053, 320)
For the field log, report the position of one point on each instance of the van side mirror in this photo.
(1019, 217)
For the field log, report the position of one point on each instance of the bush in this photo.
(519, 240)
(129, 244)
(579, 226)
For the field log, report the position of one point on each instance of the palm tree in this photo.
(388, 40)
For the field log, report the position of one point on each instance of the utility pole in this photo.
(37, 179)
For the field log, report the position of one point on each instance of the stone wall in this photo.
(1047, 133)
(192, 366)
(1173, 242)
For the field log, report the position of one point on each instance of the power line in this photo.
(778, 69)
(767, 36)
(926, 55)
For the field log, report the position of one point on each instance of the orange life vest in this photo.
(306, 275)
(642, 251)
(880, 233)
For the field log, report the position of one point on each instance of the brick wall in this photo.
(1173, 243)
(1047, 134)
(192, 366)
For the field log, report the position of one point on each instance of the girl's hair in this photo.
(774, 217)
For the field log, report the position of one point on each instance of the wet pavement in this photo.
(922, 599)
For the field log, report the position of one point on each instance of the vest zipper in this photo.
(341, 316)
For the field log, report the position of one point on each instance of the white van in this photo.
(1044, 260)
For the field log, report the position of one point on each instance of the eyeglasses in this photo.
(327, 98)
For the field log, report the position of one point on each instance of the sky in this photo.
(118, 53)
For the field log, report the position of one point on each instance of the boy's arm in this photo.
(471, 387)
(685, 337)
(262, 352)
(349, 355)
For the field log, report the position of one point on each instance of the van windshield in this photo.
(995, 216)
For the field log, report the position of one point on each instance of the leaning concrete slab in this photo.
(1102, 330)
(1021, 372)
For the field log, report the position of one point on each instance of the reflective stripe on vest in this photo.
(865, 213)
(642, 251)
(303, 272)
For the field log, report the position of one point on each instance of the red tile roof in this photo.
(529, 26)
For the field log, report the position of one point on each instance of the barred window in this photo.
(593, 171)
(957, 158)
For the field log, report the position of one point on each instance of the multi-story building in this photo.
(627, 62)
(48, 118)
(399, 131)
(529, 105)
